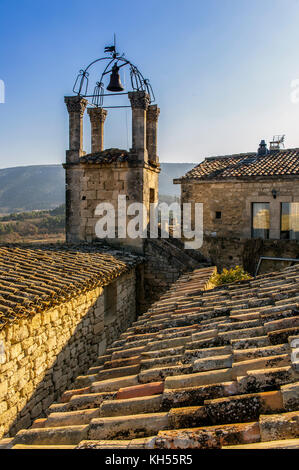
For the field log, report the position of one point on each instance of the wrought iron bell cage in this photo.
(115, 62)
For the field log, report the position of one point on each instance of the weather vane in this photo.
(115, 62)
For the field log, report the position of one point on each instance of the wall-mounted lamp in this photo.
(274, 193)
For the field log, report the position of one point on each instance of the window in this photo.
(289, 221)
(218, 215)
(152, 195)
(260, 220)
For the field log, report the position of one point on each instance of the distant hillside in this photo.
(42, 187)
(29, 188)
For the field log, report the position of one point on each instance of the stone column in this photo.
(97, 118)
(76, 106)
(139, 102)
(151, 132)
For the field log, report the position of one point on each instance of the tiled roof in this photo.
(33, 278)
(276, 163)
(200, 369)
(106, 156)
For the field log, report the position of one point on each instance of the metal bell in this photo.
(115, 83)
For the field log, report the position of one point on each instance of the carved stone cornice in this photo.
(97, 114)
(139, 99)
(75, 104)
(152, 113)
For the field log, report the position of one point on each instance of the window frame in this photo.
(252, 218)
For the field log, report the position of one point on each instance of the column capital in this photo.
(75, 104)
(153, 113)
(139, 99)
(97, 114)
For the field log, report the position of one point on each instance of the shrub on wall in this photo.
(230, 275)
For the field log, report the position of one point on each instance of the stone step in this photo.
(199, 378)
(290, 394)
(124, 353)
(68, 394)
(102, 359)
(6, 443)
(192, 354)
(265, 379)
(239, 334)
(94, 370)
(135, 344)
(144, 390)
(128, 427)
(89, 400)
(118, 372)
(163, 352)
(205, 335)
(239, 325)
(208, 437)
(279, 426)
(165, 360)
(81, 402)
(188, 417)
(241, 368)
(167, 343)
(141, 443)
(131, 406)
(276, 315)
(72, 418)
(44, 447)
(68, 435)
(245, 316)
(280, 444)
(133, 338)
(39, 423)
(241, 408)
(160, 373)
(281, 336)
(282, 324)
(192, 396)
(252, 353)
(112, 385)
(247, 343)
(212, 363)
(83, 381)
(122, 362)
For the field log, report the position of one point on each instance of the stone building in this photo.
(250, 205)
(104, 175)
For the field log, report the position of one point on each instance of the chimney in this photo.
(262, 150)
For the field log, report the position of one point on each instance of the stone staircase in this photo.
(200, 369)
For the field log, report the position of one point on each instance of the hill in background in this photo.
(42, 187)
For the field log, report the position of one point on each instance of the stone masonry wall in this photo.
(44, 354)
(165, 262)
(225, 252)
(227, 241)
(234, 198)
(98, 183)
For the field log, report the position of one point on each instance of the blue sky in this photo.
(221, 71)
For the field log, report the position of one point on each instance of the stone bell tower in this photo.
(104, 175)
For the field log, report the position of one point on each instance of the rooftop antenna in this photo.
(277, 141)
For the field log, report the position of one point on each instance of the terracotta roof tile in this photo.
(106, 156)
(277, 163)
(34, 277)
(160, 386)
